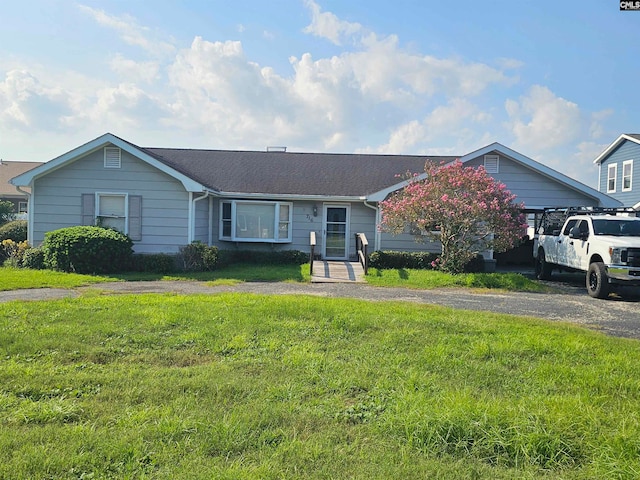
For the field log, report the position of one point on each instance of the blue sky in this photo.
(556, 81)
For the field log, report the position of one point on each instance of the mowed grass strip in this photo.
(19, 278)
(428, 279)
(247, 386)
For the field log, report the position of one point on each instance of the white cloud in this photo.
(329, 26)
(375, 96)
(540, 120)
(596, 130)
(133, 70)
(130, 31)
(27, 104)
(452, 122)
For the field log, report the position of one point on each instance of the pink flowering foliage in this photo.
(463, 208)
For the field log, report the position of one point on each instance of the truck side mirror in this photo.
(576, 233)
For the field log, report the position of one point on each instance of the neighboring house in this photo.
(9, 192)
(165, 198)
(619, 170)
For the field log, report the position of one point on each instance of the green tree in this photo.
(7, 212)
(463, 208)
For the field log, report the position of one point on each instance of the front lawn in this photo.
(240, 272)
(247, 386)
(17, 278)
(11, 278)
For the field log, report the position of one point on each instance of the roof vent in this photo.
(276, 149)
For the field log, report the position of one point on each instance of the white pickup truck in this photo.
(603, 243)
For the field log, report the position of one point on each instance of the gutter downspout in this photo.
(376, 240)
(29, 215)
(192, 214)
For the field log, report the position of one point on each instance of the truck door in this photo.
(577, 249)
(559, 252)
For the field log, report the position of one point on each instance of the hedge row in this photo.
(415, 260)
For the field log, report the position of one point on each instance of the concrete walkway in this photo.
(337, 272)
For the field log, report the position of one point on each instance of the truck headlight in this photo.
(618, 255)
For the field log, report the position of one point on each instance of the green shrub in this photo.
(7, 211)
(16, 231)
(33, 258)
(87, 249)
(389, 259)
(416, 260)
(281, 257)
(154, 263)
(13, 251)
(198, 257)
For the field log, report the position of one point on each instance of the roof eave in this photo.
(600, 158)
(548, 172)
(289, 196)
(26, 179)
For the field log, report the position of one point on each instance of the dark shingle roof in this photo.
(292, 173)
(634, 135)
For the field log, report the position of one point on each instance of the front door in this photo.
(335, 232)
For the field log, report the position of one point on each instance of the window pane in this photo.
(226, 228)
(284, 213)
(116, 223)
(337, 215)
(112, 205)
(226, 211)
(255, 221)
(283, 230)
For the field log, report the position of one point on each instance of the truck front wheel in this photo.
(543, 269)
(597, 284)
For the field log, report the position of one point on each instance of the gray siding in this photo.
(406, 242)
(626, 151)
(201, 230)
(533, 188)
(164, 200)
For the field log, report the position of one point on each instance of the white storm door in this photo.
(335, 232)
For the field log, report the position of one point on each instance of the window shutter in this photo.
(88, 209)
(111, 157)
(135, 217)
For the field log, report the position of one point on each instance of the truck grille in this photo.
(633, 257)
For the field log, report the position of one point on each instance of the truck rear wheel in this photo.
(597, 283)
(543, 269)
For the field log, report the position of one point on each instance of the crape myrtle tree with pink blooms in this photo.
(463, 208)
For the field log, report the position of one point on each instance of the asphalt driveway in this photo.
(618, 316)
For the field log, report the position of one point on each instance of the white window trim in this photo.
(126, 208)
(492, 163)
(624, 164)
(111, 160)
(26, 206)
(276, 226)
(614, 167)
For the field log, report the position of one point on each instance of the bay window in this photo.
(248, 221)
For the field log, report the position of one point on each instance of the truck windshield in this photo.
(617, 227)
